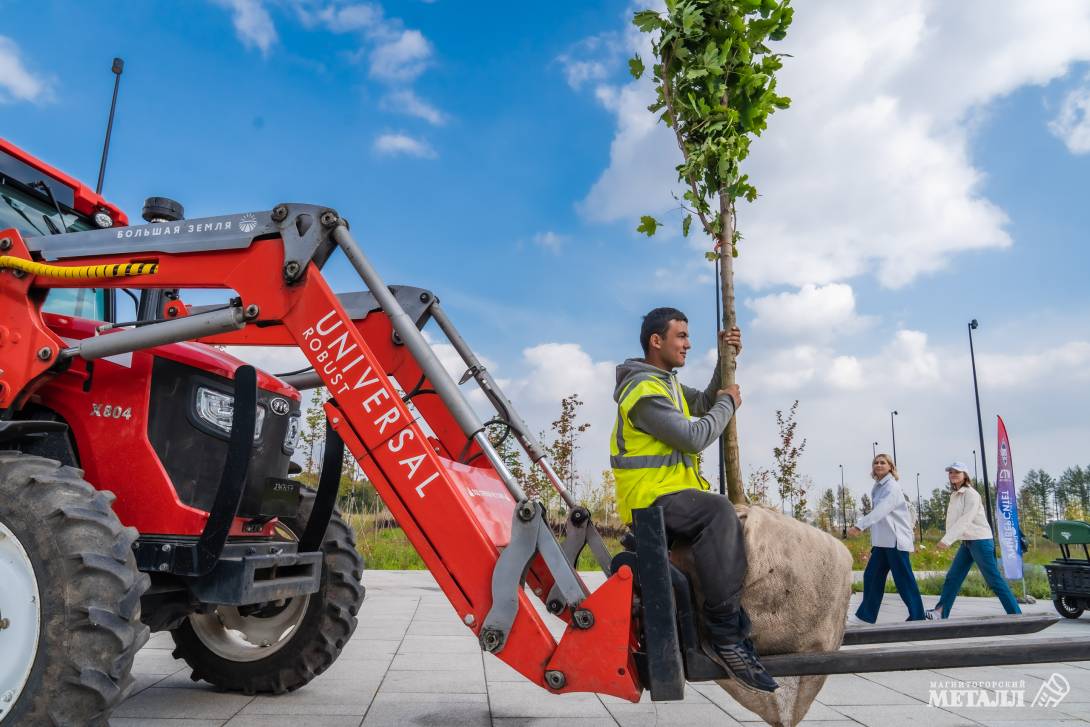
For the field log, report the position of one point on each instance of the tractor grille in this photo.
(194, 453)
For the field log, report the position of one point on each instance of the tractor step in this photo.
(260, 577)
(954, 628)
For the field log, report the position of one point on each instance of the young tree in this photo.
(935, 507)
(865, 504)
(1073, 493)
(786, 459)
(1034, 502)
(757, 486)
(845, 507)
(602, 502)
(799, 508)
(715, 85)
(313, 430)
(565, 444)
(826, 511)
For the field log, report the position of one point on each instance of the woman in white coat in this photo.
(966, 521)
(890, 524)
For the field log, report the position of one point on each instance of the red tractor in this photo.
(144, 476)
(128, 506)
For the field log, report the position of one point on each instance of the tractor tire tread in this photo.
(326, 627)
(89, 589)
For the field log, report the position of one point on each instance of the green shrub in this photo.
(974, 585)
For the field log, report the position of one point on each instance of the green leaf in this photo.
(635, 66)
(685, 224)
(648, 225)
(711, 256)
(646, 20)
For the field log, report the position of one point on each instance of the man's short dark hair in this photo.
(658, 321)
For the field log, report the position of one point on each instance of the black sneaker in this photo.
(741, 662)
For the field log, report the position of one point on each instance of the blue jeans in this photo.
(882, 562)
(981, 552)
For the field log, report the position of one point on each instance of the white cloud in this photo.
(408, 103)
(549, 240)
(17, 82)
(579, 72)
(869, 172)
(349, 18)
(1072, 124)
(403, 144)
(402, 58)
(846, 372)
(252, 22)
(591, 59)
(1067, 364)
(815, 312)
(912, 365)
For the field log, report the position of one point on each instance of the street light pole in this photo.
(919, 509)
(893, 435)
(975, 477)
(980, 429)
(873, 450)
(843, 508)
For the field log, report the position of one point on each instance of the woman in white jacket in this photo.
(891, 541)
(966, 521)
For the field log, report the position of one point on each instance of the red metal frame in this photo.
(85, 200)
(457, 516)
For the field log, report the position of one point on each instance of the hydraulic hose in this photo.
(81, 272)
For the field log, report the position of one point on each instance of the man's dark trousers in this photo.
(710, 524)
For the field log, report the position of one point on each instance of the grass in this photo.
(388, 548)
(974, 585)
(384, 546)
(930, 558)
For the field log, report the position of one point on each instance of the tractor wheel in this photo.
(69, 599)
(280, 646)
(1067, 607)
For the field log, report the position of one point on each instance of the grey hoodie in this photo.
(663, 421)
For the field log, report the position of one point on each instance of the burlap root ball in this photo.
(797, 589)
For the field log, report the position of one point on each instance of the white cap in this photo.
(957, 467)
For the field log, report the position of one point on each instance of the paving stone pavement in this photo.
(412, 662)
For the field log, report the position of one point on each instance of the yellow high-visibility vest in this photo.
(644, 468)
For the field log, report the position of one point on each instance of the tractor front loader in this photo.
(257, 581)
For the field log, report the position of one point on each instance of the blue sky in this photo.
(930, 171)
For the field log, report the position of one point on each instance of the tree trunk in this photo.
(726, 353)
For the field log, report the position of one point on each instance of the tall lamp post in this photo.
(980, 429)
(893, 435)
(974, 466)
(843, 508)
(919, 508)
(873, 450)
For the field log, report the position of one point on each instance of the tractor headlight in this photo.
(291, 437)
(218, 409)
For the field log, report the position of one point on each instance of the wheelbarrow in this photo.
(1069, 577)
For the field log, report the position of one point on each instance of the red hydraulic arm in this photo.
(427, 455)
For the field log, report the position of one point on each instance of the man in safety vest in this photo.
(661, 428)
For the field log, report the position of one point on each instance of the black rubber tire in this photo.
(1067, 608)
(89, 590)
(326, 626)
